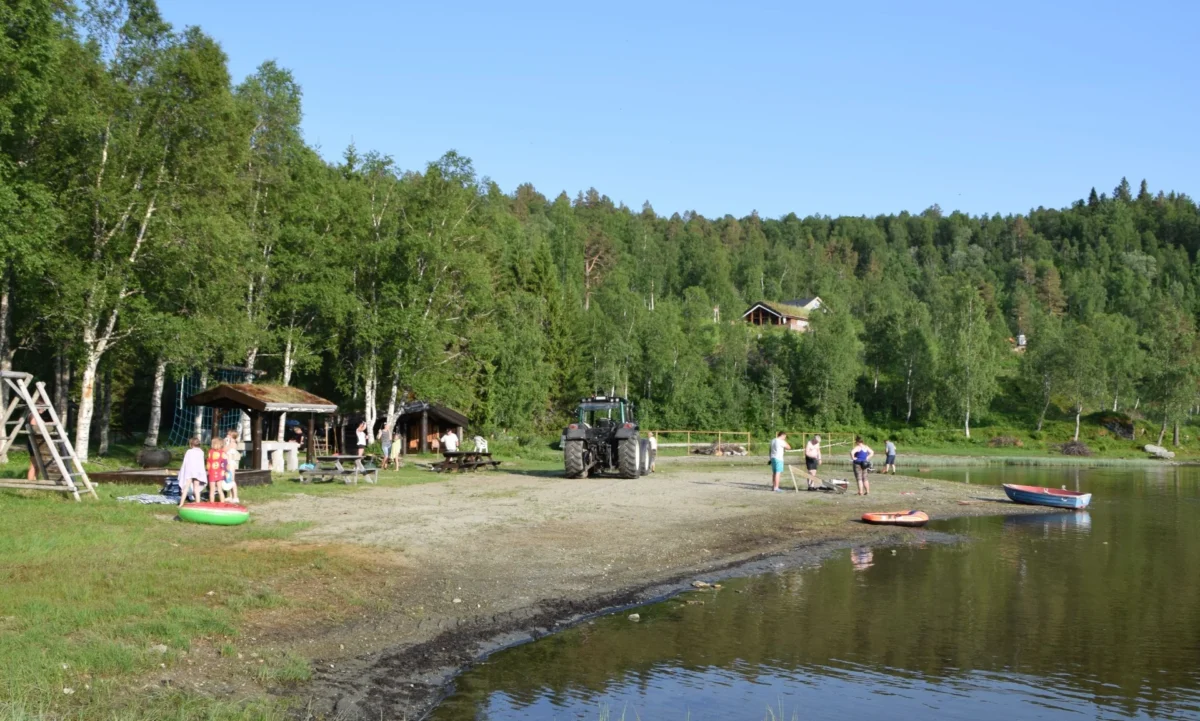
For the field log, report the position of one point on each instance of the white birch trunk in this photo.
(394, 392)
(967, 420)
(289, 363)
(87, 391)
(244, 422)
(6, 351)
(370, 392)
(198, 420)
(1115, 397)
(156, 399)
(1078, 414)
(908, 392)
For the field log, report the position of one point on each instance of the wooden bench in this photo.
(332, 468)
(458, 461)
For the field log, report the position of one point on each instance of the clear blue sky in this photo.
(831, 108)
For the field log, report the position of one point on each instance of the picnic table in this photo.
(345, 467)
(465, 461)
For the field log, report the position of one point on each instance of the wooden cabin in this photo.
(792, 317)
(422, 424)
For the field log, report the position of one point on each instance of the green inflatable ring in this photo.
(217, 514)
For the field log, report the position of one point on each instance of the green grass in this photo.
(91, 592)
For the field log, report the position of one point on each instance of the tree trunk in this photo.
(908, 393)
(967, 420)
(87, 395)
(370, 393)
(1078, 414)
(62, 384)
(1042, 417)
(1115, 397)
(1175, 440)
(6, 351)
(198, 420)
(289, 363)
(875, 386)
(1162, 433)
(394, 400)
(243, 430)
(1137, 403)
(156, 399)
(105, 413)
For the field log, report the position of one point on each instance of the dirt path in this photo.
(483, 561)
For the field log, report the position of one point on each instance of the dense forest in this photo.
(157, 219)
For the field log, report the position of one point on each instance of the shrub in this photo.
(1006, 442)
(1074, 448)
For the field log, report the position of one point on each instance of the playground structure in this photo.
(30, 412)
(188, 420)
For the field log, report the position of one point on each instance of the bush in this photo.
(1006, 442)
(1074, 448)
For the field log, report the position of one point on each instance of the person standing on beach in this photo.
(889, 450)
(778, 446)
(360, 438)
(385, 442)
(812, 460)
(860, 457)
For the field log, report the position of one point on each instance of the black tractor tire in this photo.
(628, 461)
(645, 456)
(573, 458)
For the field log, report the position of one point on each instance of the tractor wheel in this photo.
(645, 457)
(628, 462)
(573, 452)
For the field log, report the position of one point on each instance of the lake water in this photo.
(1061, 615)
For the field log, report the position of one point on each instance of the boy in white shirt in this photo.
(449, 442)
(778, 446)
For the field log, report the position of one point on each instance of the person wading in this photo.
(778, 446)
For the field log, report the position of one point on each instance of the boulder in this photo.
(1159, 451)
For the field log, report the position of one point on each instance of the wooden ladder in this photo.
(64, 471)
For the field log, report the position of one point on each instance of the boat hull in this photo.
(1053, 497)
(216, 514)
(911, 519)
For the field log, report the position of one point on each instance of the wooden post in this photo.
(688, 448)
(256, 430)
(461, 439)
(403, 448)
(311, 450)
(719, 452)
(424, 445)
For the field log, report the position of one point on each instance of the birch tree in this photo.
(970, 353)
(148, 127)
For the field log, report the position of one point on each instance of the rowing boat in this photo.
(217, 514)
(1054, 497)
(912, 519)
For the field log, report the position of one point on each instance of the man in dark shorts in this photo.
(812, 460)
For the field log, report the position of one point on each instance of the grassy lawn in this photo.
(99, 599)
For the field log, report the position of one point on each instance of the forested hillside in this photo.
(157, 219)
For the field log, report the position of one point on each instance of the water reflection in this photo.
(1080, 615)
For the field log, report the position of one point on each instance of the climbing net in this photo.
(189, 421)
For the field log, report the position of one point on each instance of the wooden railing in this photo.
(691, 438)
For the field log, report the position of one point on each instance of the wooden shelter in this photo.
(421, 424)
(261, 401)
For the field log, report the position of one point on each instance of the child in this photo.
(191, 473)
(217, 465)
(232, 458)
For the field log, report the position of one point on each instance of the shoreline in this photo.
(411, 670)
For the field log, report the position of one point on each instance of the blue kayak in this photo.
(1054, 497)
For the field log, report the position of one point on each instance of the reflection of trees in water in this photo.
(1114, 614)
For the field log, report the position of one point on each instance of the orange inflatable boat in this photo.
(897, 518)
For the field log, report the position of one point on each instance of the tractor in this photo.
(604, 438)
